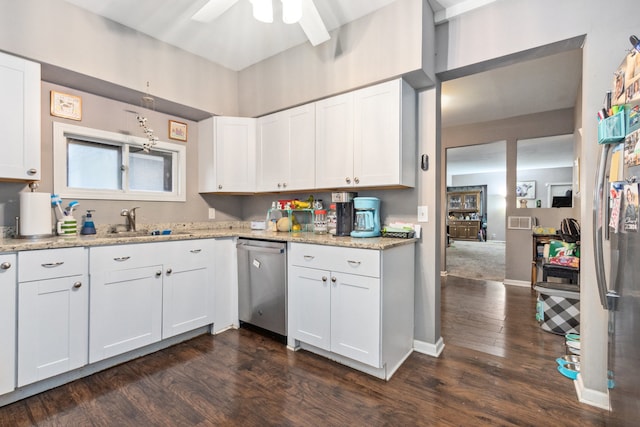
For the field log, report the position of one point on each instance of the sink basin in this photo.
(121, 234)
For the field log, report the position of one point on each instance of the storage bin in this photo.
(612, 129)
(558, 307)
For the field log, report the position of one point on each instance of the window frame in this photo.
(63, 131)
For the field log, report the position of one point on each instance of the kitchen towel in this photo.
(35, 214)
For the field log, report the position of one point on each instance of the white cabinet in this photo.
(286, 150)
(187, 297)
(353, 303)
(227, 155)
(367, 138)
(53, 299)
(19, 118)
(126, 298)
(142, 293)
(8, 280)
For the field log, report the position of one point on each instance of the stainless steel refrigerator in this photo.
(617, 253)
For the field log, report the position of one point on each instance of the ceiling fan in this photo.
(302, 11)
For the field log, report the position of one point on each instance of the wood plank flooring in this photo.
(498, 368)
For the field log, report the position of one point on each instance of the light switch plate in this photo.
(423, 214)
(212, 213)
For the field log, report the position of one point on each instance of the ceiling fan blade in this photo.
(212, 9)
(312, 24)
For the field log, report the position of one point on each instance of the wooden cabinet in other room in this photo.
(53, 310)
(227, 155)
(20, 118)
(8, 280)
(286, 150)
(367, 138)
(464, 230)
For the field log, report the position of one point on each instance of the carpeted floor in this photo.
(476, 260)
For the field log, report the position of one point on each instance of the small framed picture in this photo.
(66, 106)
(177, 130)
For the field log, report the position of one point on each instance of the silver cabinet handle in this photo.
(121, 258)
(52, 264)
(324, 278)
(5, 265)
(32, 171)
(308, 257)
(333, 279)
(158, 273)
(356, 180)
(219, 186)
(169, 271)
(279, 185)
(352, 262)
(77, 285)
(284, 185)
(195, 251)
(348, 180)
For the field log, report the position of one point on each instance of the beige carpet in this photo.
(476, 260)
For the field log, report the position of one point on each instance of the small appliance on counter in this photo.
(344, 212)
(367, 222)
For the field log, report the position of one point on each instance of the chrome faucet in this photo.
(130, 214)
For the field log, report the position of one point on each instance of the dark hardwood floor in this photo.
(498, 368)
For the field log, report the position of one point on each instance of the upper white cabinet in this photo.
(8, 279)
(20, 118)
(53, 312)
(227, 155)
(286, 150)
(367, 138)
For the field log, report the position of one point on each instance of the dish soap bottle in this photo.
(88, 227)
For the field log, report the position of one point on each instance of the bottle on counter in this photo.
(332, 219)
(320, 221)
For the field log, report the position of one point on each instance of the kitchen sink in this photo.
(120, 234)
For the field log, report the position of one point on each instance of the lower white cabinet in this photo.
(353, 303)
(53, 297)
(8, 282)
(142, 293)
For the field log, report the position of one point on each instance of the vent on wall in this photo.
(519, 223)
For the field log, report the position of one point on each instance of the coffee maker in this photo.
(367, 220)
(344, 212)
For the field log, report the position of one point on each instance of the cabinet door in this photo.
(235, 154)
(53, 336)
(309, 306)
(377, 145)
(356, 317)
(187, 298)
(20, 118)
(334, 142)
(300, 128)
(8, 279)
(272, 153)
(126, 310)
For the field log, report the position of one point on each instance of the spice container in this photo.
(332, 219)
(320, 221)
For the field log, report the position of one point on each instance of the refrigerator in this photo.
(617, 255)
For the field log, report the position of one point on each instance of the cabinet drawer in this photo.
(364, 262)
(51, 263)
(110, 258)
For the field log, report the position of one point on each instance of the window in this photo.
(95, 164)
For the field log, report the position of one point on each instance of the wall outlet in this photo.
(212, 213)
(423, 214)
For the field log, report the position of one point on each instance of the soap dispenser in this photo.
(88, 227)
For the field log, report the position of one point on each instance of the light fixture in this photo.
(263, 10)
(635, 42)
(291, 11)
(149, 103)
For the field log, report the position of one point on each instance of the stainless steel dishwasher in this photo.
(262, 284)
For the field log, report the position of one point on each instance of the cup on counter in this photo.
(67, 227)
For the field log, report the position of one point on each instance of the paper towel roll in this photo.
(35, 214)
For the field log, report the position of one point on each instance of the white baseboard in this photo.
(428, 348)
(591, 397)
(520, 283)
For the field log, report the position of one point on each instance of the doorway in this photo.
(476, 231)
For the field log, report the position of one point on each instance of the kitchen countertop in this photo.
(184, 232)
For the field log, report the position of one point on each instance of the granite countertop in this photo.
(189, 232)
